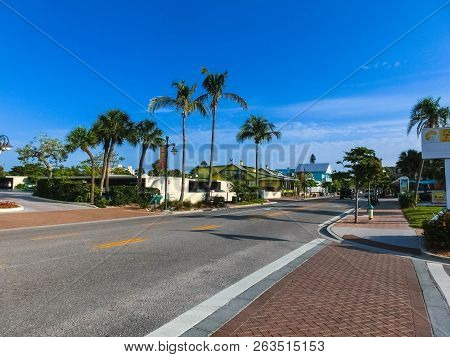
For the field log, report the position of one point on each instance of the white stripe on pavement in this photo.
(334, 219)
(190, 318)
(441, 278)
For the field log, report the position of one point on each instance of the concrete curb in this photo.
(38, 198)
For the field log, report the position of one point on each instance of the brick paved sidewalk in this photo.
(32, 219)
(340, 291)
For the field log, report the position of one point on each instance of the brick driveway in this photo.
(340, 291)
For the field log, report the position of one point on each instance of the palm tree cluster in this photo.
(112, 129)
(186, 103)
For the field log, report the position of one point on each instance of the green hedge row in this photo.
(64, 190)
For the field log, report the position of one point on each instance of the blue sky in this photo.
(281, 57)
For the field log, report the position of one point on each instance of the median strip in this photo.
(119, 243)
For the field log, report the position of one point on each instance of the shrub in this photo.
(437, 232)
(245, 192)
(187, 204)
(101, 202)
(20, 186)
(63, 190)
(123, 195)
(144, 198)
(407, 200)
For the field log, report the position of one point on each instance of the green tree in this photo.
(149, 136)
(409, 163)
(214, 85)
(312, 159)
(112, 128)
(2, 171)
(45, 151)
(427, 113)
(84, 139)
(183, 102)
(258, 129)
(364, 167)
(31, 170)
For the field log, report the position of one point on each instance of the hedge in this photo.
(437, 232)
(64, 190)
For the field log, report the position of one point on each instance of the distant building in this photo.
(321, 172)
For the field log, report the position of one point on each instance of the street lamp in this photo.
(4, 143)
(174, 152)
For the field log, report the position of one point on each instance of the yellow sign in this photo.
(444, 135)
(438, 197)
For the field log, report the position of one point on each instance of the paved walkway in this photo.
(340, 291)
(389, 229)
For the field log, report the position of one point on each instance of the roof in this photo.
(325, 167)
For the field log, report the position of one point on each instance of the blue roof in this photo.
(325, 168)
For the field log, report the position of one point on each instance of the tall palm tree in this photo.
(112, 128)
(258, 129)
(214, 85)
(84, 139)
(427, 113)
(149, 136)
(184, 103)
(409, 163)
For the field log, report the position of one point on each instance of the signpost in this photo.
(436, 145)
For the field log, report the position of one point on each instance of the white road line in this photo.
(441, 278)
(190, 318)
(334, 219)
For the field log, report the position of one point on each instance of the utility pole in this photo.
(166, 170)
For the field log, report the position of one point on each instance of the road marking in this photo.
(334, 219)
(190, 318)
(56, 236)
(441, 278)
(205, 228)
(119, 243)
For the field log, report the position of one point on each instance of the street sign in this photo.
(436, 143)
(404, 184)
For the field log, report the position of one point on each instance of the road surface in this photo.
(129, 277)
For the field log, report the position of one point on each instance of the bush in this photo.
(437, 232)
(101, 202)
(407, 200)
(144, 198)
(63, 190)
(245, 192)
(125, 195)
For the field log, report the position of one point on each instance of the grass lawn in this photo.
(416, 215)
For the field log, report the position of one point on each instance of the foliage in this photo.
(31, 170)
(125, 195)
(101, 202)
(63, 190)
(407, 200)
(2, 171)
(437, 232)
(341, 179)
(244, 192)
(119, 170)
(45, 151)
(428, 113)
(363, 164)
(85, 165)
(258, 129)
(68, 171)
(408, 163)
(417, 215)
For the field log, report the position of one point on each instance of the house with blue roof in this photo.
(321, 171)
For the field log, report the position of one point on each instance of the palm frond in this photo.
(161, 102)
(237, 99)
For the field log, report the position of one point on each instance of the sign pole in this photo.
(447, 181)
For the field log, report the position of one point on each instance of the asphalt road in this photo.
(83, 280)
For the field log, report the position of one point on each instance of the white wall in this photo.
(271, 194)
(174, 189)
(17, 180)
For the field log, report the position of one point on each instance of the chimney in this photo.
(241, 163)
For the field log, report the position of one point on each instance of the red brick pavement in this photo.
(340, 291)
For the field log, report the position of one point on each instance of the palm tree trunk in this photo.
(92, 194)
(104, 166)
(419, 176)
(183, 161)
(211, 158)
(141, 166)
(257, 168)
(108, 161)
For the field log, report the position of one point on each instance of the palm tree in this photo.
(84, 139)
(427, 113)
(112, 128)
(409, 163)
(147, 134)
(214, 85)
(259, 129)
(184, 103)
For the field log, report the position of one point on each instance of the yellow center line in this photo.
(205, 228)
(56, 236)
(119, 243)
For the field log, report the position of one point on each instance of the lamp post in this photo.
(4, 143)
(174, 151)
